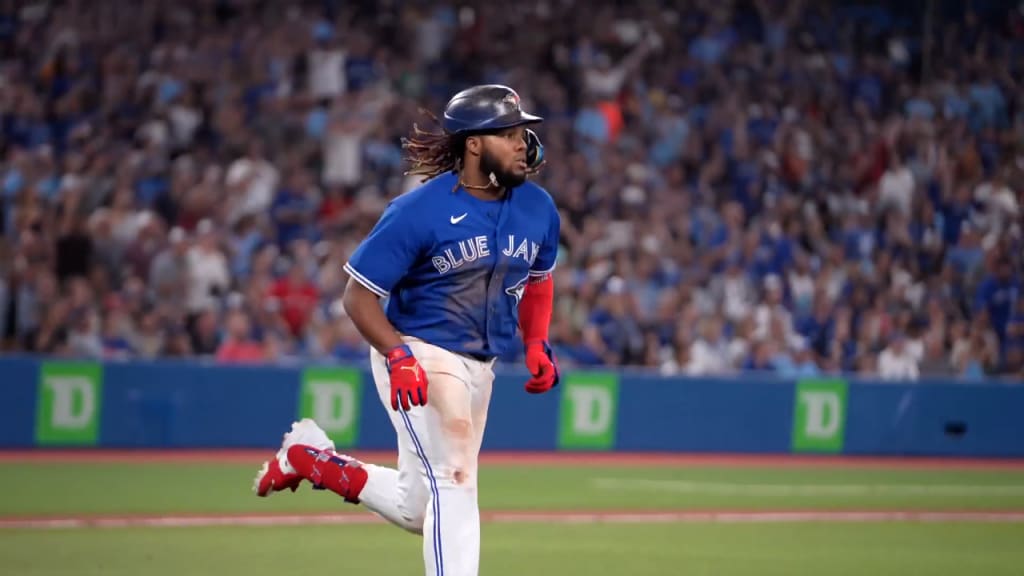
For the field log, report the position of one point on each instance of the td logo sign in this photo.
(589, 411)
(68, 403)
(332, 397)
(819, 416)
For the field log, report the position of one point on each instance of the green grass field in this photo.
(35, 490)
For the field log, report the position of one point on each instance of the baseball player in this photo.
(463, 260)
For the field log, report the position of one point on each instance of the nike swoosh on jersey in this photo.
(457, 219)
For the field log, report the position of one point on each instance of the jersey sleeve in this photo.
(545, 262)
(388, 251)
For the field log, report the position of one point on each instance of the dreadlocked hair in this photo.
(430, 153)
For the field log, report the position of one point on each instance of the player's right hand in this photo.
(543, 367)
(408, 380)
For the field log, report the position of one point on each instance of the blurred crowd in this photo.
(799, 188)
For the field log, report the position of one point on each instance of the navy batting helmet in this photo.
(484, 108)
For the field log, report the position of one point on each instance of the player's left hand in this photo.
(543, 366)
(408, 380)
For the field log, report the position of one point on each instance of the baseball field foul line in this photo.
(623, 517)
(784, 490)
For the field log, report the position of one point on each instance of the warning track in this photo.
(535, 459)
(575, 517)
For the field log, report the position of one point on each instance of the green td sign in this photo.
(819, 416)
(589, 411)
(68, 403)
(332, 397)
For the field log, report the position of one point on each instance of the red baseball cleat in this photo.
(278, 474)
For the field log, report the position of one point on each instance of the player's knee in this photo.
(464, 477)
(413, 515)
(414, 525)
(458, 475)
(460, 432)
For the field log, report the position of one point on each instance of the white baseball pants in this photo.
(434, 490)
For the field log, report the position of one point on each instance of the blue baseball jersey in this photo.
(454, 267)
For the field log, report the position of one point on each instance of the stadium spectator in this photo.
(794, 188)
(238, 345)
(296, 297)
(897, 361)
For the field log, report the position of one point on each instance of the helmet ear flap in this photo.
(534, 151)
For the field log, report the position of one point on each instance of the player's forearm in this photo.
(535, 310)
(364, 308)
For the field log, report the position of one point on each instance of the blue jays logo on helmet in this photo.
(485, 108)
(512, 99)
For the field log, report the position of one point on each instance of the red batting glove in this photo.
(408, 380)
(541, 362)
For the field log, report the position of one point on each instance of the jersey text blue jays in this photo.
(453, 267)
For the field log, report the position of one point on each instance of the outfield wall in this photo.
(195, 405)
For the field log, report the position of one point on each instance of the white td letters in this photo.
(65, 389)
(334, 405)
(592, 410)
(823, 416)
